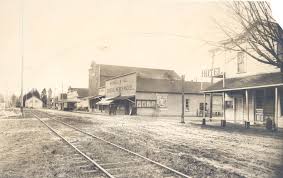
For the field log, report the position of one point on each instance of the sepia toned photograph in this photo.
(141, 89)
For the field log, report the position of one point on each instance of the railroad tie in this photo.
(122, 175)
(78, 158)
(90, 171)
(121, 164)
(81, 162)
(85, 166)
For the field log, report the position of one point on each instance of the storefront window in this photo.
(187, 105)
(201, 106)
(139, 104)
(146, 103)
(153, 104)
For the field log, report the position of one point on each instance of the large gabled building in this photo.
(99, 73)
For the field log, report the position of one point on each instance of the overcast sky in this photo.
(61, 38)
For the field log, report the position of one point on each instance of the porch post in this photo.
(224, 109)
(203, 112)
(276, 109)
(247, 105)
(204, 105)
(234, 109)
(223, 122)
(247, 122)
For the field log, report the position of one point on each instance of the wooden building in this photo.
(99, 73)
(74, 96)
(251, 91)
(33, 102)
(132, 94)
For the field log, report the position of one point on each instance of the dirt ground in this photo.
(199, 151)
(28, 149)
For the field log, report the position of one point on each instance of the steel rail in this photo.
(124, 149)
(80, 152)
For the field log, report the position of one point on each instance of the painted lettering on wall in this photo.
(122, 86)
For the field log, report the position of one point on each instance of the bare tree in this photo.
(260, 37)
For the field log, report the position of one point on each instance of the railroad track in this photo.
(104, 157)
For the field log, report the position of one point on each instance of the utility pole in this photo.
(22, 56)
(211, 81)
(183, 100)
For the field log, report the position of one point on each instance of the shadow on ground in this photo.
(257, 130)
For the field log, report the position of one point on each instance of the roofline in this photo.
(137, 67)
(195, 93)
(243, 88)
(121, 76)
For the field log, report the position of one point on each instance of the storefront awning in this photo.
(123, 97)
(104, 101)
(95, 97)
(69, 101)
(128, 98)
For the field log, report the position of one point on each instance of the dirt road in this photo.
(28, 149)
(197, 151)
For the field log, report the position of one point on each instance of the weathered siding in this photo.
(174, 104)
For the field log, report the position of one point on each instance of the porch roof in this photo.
(104, 101)
(247, 82)
(75, 100)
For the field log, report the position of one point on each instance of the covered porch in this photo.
(251, 100)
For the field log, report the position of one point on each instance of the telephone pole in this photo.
(22, 55)
(183, 100)
(213, 51)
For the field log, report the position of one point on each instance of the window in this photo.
(139, 104)
(187, 105)
(241, 66)
(146, 103)
(259, 99)
(153, 104)
(201, 106)
(228, 104)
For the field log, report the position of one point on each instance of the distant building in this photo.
(33, 102)
(69, 100)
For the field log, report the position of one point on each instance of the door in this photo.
(239, 109)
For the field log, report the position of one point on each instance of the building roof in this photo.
(33, 97)
(114, 70)
(82, 92)
(168, 86)
(248, 82)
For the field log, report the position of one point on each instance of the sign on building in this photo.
(101, 91)
(162, 100)
(211, 72)
(121, 86)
